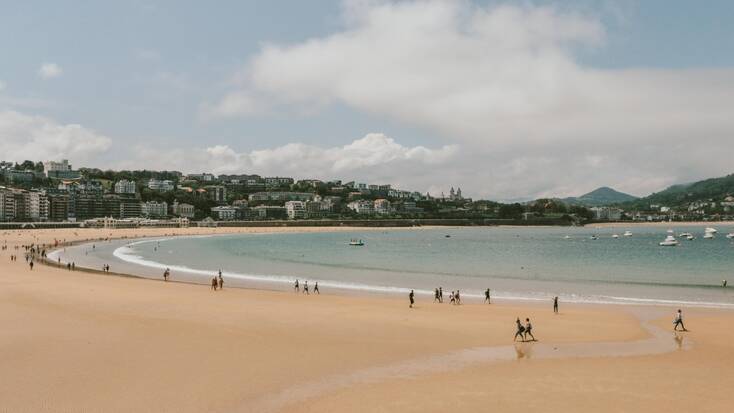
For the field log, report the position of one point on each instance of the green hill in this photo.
(715, 189)
(600, 196)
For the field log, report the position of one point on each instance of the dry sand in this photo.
(75, 341)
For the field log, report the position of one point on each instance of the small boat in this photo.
(356, 243)
(615, 236)
(447, 236)
(567, 237)
(711, 230)
(627, 233)
(594, 238)
(670, 231)
(730, 235)
(685, 234)
(690, 237)
(708, 235)
(669, 241)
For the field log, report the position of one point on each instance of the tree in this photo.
(511, 211)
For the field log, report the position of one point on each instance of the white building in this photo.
(204, 177)
(295, 209)
(224, 213)
(53, 166)
(153, 209)
(161, 186)
(612, 214)
(125, 187)
(382, 206)
(36, 206)
(362, 206)
(183, 210)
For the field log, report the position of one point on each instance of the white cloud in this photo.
(374, 158)
(50, 71)
(38, 138)
(505, 82)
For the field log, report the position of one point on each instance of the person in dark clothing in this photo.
(411, 296)
(436, 297)
(679, 321)
(295, 287)
(214, 283)
(520, 330)
(486, 297)
(555, 304)
(440, 294)
(316, 288)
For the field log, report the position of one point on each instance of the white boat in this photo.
(730, 235)
(711, 230)
(670, 231)
(690, 237)
(594, 238)
(708, 235)
(567, 237)
(615, 236)
(627, 233)
(685, 234)
(669, 241)
(356, 243)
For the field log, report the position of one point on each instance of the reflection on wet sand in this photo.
(658, 343)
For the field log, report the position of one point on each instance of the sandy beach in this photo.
(83, 341)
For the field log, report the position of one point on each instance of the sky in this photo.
(506, 99)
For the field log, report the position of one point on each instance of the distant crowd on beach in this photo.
(297, 287)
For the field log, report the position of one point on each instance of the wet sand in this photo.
(77, 341)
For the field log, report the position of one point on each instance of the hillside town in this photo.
(53, 191)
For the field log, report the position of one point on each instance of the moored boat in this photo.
(669, 241)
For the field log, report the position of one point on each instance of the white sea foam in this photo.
(127, 253)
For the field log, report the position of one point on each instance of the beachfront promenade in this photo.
(81, 341)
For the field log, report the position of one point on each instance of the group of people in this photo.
(455, 297)
(523, 331)
(217, 281)
(305, 290)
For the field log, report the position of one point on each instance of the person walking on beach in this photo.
(440, 295)
(529, 329)
(296, 288)
(411, 296)
(166, 273)
(520, 330)
(486, 297)
(221, 281)
(214, 283)
(316, 288)
(436, 297)
(555, 304)
(31, 265)
(453, 298)
(679, 321)
(458, 298)
(305, 288)
(723, 283)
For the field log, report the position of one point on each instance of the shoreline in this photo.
(75, 340)
(285, 282)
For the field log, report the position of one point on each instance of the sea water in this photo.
(530, 263)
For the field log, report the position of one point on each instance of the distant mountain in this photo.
(714, 189)
(600, 197)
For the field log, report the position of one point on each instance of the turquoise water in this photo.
(516, 263)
